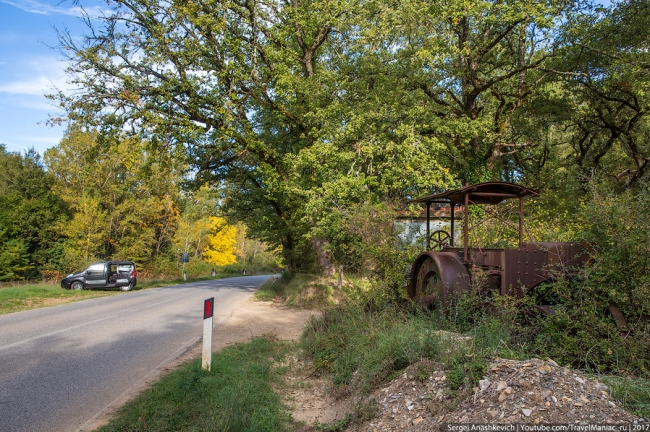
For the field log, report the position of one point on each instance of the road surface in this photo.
(60, 366)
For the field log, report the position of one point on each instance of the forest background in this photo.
(304, 127)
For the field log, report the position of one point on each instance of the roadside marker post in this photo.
(208, 310)
(185, 259)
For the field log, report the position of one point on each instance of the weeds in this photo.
(633, 392)
(338, 425)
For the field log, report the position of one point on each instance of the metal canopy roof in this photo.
(482, 193)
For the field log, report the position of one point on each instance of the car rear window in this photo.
(124, 268)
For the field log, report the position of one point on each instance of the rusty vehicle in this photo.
(445, 270)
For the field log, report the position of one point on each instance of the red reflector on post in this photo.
(208, 308)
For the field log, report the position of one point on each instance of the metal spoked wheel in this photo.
(76, 285)
(436, 277)
(128, 287)
(438, 240)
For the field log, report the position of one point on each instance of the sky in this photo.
(31, 68)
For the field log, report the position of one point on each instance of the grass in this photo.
(364, 348)
(236, 395)
(24, 297)
(632, 392)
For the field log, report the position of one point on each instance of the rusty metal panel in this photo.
(522, 269)
(535, 263)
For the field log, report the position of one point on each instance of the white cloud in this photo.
(39, 143)
(37, 77)
(35, 7)
(11, 146)
(37, 86)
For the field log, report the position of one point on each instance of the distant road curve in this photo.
(62, 365)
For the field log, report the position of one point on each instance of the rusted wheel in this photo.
(438, 240)
(435, 278)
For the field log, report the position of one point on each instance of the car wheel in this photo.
(128, 287)
(76, 285)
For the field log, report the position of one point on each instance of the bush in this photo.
(581, 332)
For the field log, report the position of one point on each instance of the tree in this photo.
(250, 92)
(220, 247)
(123, 197)
(603, 103)
(29, 211)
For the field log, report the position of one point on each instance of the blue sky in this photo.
(29, 68)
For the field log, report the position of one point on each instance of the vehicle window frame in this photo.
(95, 269)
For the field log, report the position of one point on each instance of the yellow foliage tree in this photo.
(221, 242)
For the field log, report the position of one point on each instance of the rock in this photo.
(544, 369)
(504, 395)
(493, 413)
(501, 385)
(553, 363)
(484, 384)
(526, 412)
(580, 380)
(418, 420)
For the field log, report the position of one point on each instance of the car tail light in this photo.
(134, 274)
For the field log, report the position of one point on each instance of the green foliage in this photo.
(14, 260)
(581, 332)
(307, 113)
(236, 395)
(465, 370)
(29, 210)
(123, 198)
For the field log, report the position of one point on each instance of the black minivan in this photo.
(106, 274)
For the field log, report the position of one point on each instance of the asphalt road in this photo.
(62, 365)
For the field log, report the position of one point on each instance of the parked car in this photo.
(106, 274)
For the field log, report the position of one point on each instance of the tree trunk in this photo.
(326, 264)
